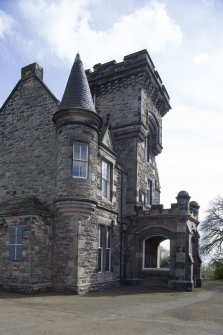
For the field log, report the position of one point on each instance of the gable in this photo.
(107, 139)
(27, 141)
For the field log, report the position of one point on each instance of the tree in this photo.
(218, 269)
(164, 257)
(212, 230)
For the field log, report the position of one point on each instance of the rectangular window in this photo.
(80, 160)
(149, 192)
(108, 249)
(104, 248)
(15, 243)
(106, 180)
(142, 197)
(100, 248)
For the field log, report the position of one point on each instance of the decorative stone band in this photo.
(79, 209)
(77, 116)
(129, 131)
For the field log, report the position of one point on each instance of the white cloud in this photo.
(201, 58)
(208, 3)
(6, 24)
(64, 26)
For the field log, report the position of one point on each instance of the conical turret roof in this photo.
(77, 93)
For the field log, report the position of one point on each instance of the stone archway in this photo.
(150, 239)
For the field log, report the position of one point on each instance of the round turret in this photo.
(77, 124)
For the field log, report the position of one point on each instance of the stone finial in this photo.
(194, 208)
(183, 199)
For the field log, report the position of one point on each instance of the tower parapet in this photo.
(136, 68)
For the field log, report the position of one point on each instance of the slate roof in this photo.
(77, 93)
(20, 205)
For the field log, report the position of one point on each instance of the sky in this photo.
(185, 42)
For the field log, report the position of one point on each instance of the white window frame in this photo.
(80, 160)
(106, 184)
(108, 249)
(142, 197)
(100, 248)
(15, 255)
(149, 195)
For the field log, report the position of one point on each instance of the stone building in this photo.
(79, 187)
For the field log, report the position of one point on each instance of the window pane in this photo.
(77, 151)
(108, 172)
(104, 170)
(100, 236)
(99, 260)
(107, 259)
(108, 237)
(104, 188)
(15, 243)
(108, 190)
(106, 177)
(76, 169)
(84, 150)
(83, 169)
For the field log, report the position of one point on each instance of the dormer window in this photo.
(80, 160)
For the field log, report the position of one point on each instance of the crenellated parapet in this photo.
(182, 208)
(136, 69)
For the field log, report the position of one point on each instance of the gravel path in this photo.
(124, 311)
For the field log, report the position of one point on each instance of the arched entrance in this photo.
(156, 253)
(154, 271)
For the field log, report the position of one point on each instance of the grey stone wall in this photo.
(65, 253)
(121, 102)
(33, 273)
(88, 276)
(27, 143)
(66, 185)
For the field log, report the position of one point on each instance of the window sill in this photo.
(155, 269)
(82, 178)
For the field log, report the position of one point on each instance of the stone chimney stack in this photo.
(31, 70)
